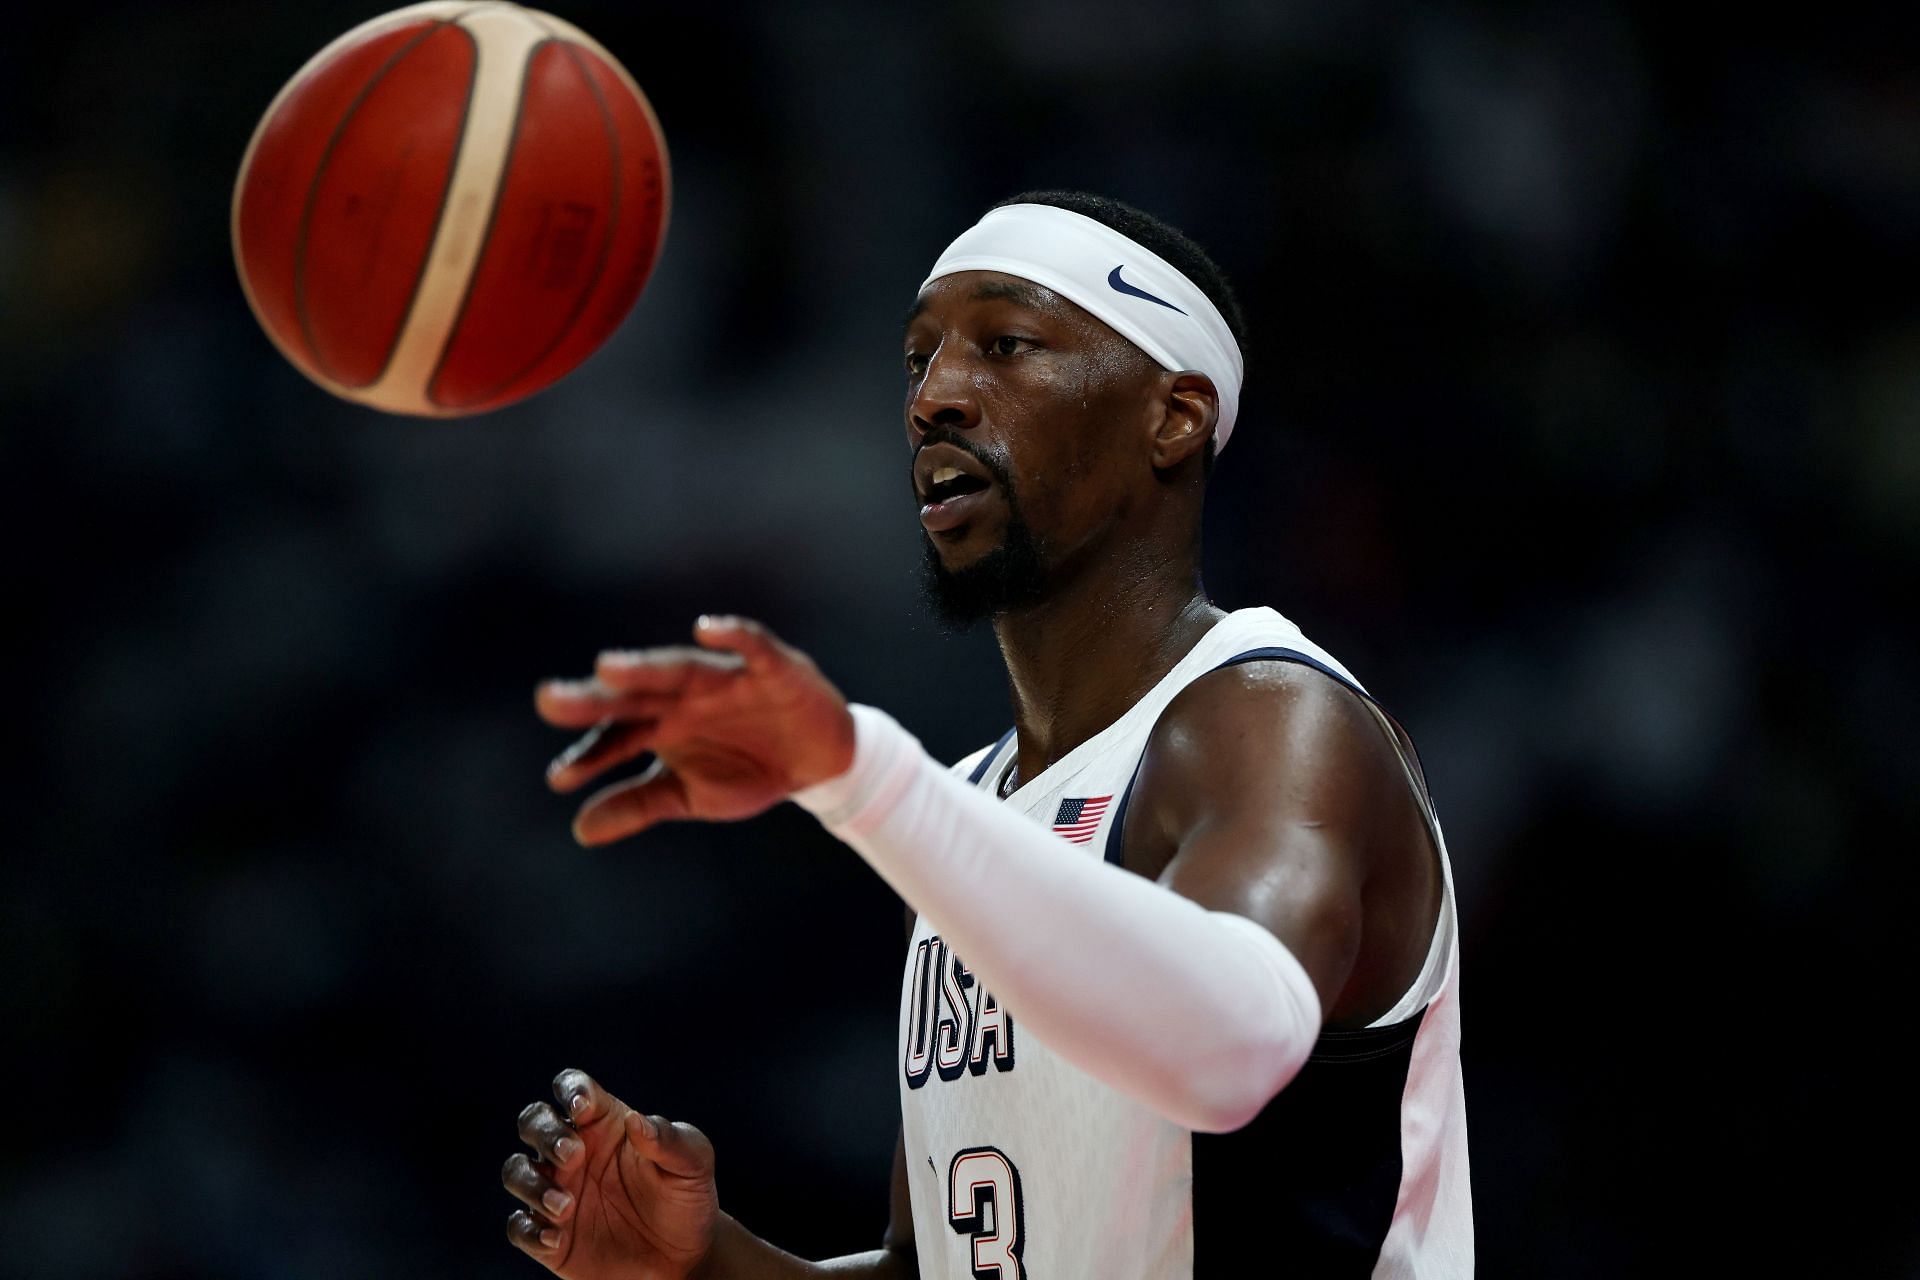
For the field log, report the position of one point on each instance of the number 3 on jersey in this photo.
(983, 1202)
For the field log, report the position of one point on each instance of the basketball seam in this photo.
(486, 236)
(574, 36)
(289, 343)
(592, 285)
(446, 190)
(313, 199)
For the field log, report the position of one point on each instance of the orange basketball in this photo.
(450, 207)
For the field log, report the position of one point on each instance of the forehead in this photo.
(950, 294)
(953, 299)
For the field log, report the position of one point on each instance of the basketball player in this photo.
(1179, 997)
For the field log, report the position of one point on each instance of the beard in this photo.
(1012, 576)
(1009, 577)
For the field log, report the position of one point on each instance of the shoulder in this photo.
(1261, 735)
(1263, 709)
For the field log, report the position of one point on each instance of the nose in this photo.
(944, 398)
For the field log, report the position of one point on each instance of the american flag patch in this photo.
(1079, 817)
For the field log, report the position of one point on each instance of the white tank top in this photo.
(1022, 1165)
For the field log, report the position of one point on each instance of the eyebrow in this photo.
(1021, 295)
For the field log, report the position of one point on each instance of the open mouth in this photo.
(951, 484)
(947, 483)
(951, 500)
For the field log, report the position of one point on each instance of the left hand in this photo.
(608, 1192)
(736, 725)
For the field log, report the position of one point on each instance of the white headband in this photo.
(1132, 289)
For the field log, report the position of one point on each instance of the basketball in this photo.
(450, 207)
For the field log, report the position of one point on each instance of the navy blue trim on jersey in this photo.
(1366, 1042)
(1312, 1182)
(1274, 653)
(986, 761)
(1116, 842)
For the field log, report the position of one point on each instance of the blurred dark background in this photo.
(1583, 422)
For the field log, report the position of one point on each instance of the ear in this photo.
(1190, 409)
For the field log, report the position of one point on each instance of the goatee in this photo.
(1010, 577)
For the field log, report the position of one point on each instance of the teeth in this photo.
(944, 474)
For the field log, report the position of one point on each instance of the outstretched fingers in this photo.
(758, 647)
(609, 743)
(581, 704)
(674, 671)
(646, 684)
(626, 808)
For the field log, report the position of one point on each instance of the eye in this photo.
(1007, 345)
(916, 363)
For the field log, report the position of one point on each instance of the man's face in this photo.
(1023, 412)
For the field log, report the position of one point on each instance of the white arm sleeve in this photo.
(1201, 1015)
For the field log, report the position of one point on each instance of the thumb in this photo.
(676, 1147)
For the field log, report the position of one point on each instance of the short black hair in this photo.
(1172, 244)
(1163, 238)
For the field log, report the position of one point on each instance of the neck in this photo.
(1079, 659)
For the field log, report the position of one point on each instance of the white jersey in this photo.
(1021, 1165)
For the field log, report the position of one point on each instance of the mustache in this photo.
(994, 462)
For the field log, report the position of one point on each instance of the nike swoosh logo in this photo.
(1121, 286)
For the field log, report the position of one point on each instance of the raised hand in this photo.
(735, 726)
(609, 1192)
